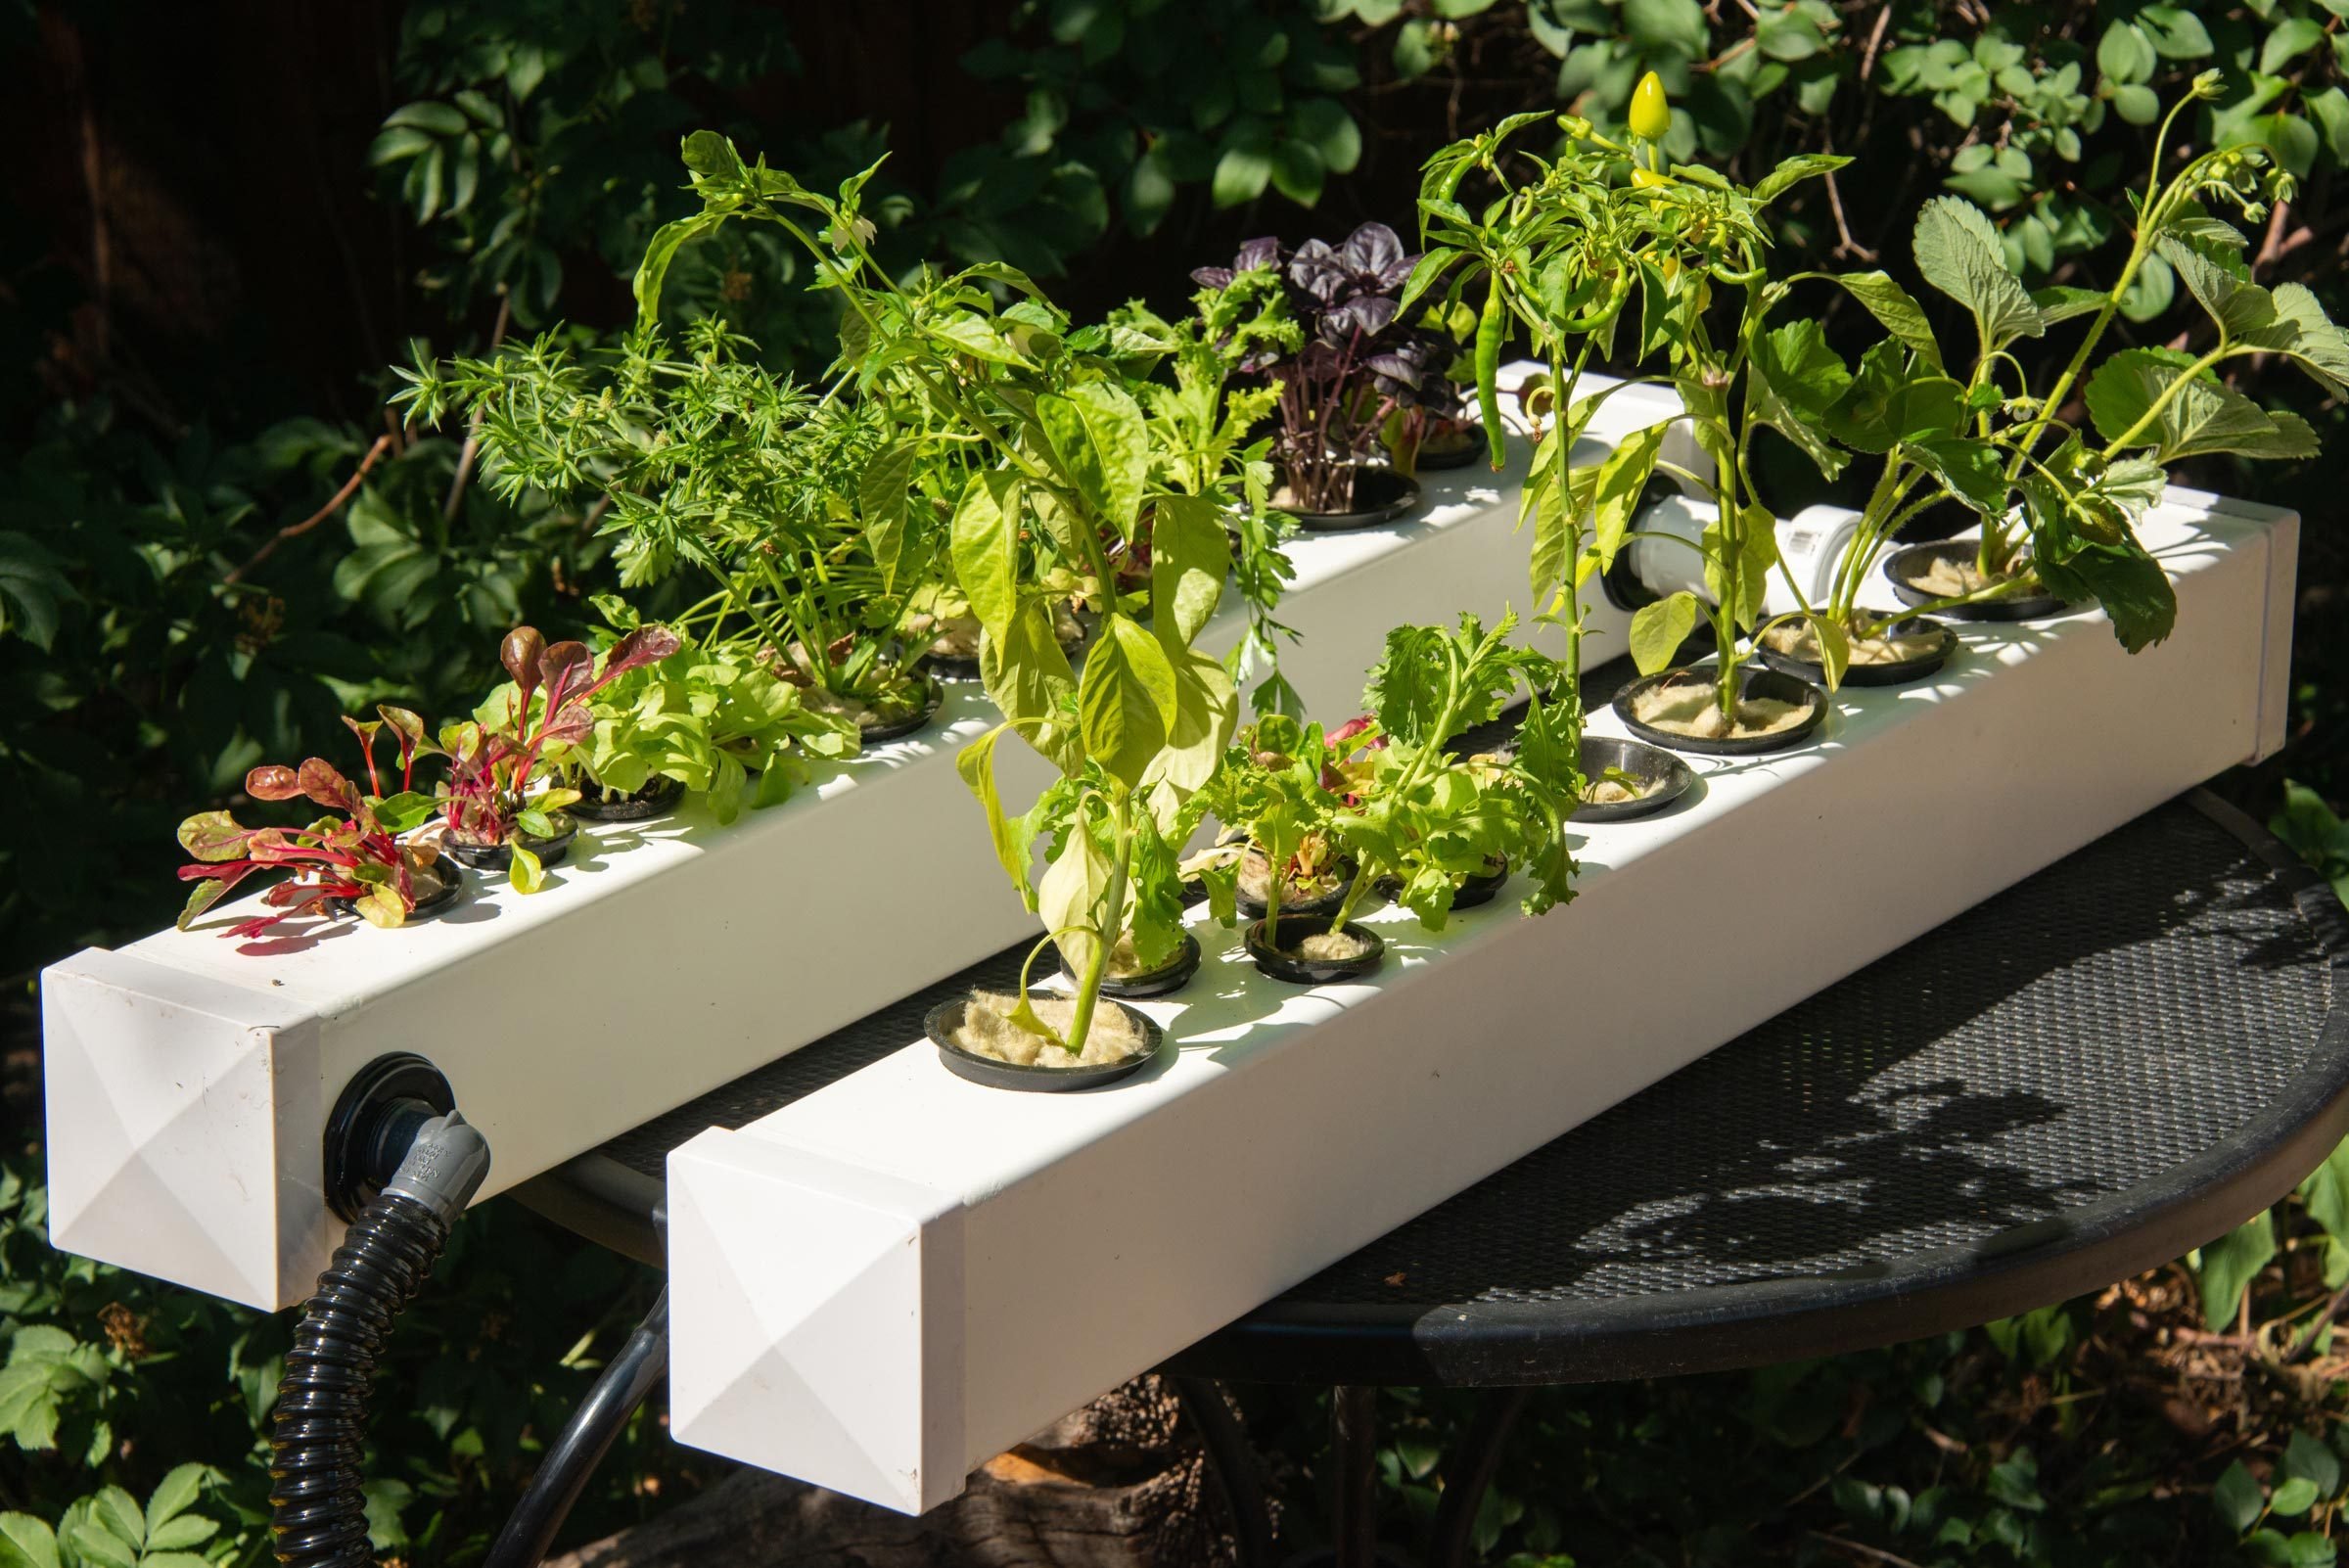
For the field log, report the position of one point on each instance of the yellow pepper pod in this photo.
(1651, 115)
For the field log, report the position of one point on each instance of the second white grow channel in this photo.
(888, 1281)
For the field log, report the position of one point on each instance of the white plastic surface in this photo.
(189, 1076)
(891, 1280)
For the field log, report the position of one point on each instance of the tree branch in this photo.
(383, 444)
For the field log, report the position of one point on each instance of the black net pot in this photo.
(1481, 887)
(1436, 460)
(656, 798)
(934, 697)
(1910, 561)
(1251, 907)
(1663, 777)
(450, 875)
(1380, 495)
(1754, 683)
(1282, 963)
(964, 668)
(499, 857)
(1168, 978)
(947, 1017)
(1898, 674)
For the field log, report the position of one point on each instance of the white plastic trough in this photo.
(189, 1076)
(888, 1281)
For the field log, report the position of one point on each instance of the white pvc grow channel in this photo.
(888, 1281)
(188, 1080)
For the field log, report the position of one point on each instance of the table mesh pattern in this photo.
(2122, 1011)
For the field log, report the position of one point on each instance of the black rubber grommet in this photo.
(372, 1090)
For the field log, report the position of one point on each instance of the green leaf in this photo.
(2058, 304)
(1796, 379)
(976, 764)
(434, 118)
(1658, 629)
(653, 270)
(32, 587)
(2216, 276)
(1069, 894)
(118, 1512)
(2293, 1499)
(1241, 174)
(1326, 125)
(1190, 555)
(972, 333)
(1792, 172)
(881, 497)
(1895, 309)
(2237, 1500)
(1120, 440)
(1958, 251)
(1207, 707)
(1125, 699)
(1970, 468)
(2289, 39)
(1888, 402)
(1621, 479)
(2130, 585)
(2229, 1266)
(26, 1542)
(2307, 1460)
(527, 874)
(2203, 416)
(2125, 55)
(1297, 172)
(2176, 33)
(985, 543)
(2139, 106)
(1028, 677)
(173, 1495)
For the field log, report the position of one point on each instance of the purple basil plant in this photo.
(1358, 364)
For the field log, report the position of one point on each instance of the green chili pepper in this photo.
(1491, 328)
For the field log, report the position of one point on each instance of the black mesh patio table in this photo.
(2116, 1060)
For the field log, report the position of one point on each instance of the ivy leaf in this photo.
(1658, 629)
(1958, 251)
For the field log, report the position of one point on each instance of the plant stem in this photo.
(1112, 926)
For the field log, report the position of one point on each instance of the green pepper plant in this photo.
(1603, 237)
(1042, 421)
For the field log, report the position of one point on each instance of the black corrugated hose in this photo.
(320, 1513)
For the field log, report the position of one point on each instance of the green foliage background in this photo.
(177, 603)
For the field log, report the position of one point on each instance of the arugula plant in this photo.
(1041, 423)
(494, 793)
(1387, 792)
(354, 854)
(719, 722)
(1351, 360)
(801, 510)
